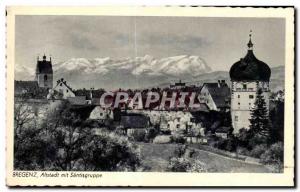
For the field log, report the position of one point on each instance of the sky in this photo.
(219, 41)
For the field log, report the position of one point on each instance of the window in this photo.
(236, 118)
(61, 84)
(45, 78)
(244, 86)
(67, 90)
(238, 96)
(177, 126)
(101, 114)
(239, 103)
(251, 96)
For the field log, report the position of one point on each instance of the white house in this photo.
(61, 91)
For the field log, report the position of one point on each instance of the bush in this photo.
(177, 139)
(258, 150)
(138, 135)
(243, 151)
(274, 156)
(182, 164)
(256, 140)
(180, 150)
(151, 134)
(110, 152)
(162, 139)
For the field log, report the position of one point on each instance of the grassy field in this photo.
(156, 157)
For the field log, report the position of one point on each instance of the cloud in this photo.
(82, 41)
(182, 42)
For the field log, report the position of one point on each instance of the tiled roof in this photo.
(222, 130)
(134, 121)
(21, 85)
(219, 92)
(78, 100)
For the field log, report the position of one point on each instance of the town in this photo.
(214, 116)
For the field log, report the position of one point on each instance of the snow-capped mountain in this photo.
(139, 72)
(136, 72)
(178, 65)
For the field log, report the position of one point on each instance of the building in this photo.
(78, 100)
(101, 114)
(134, 123)
(25, 87)
(61, 91)
(222, 132)
(178, 85)
(216, 96)
(44, 73)
(30, 90)
(247, 76)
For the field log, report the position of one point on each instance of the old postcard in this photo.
(150, 96)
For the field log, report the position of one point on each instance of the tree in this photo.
(277, 119)
(64, 142)
(259, 122)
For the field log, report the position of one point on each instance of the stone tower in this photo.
(247, 76)
(44, 73)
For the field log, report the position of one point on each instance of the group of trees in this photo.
(264, 139)
(64, 141)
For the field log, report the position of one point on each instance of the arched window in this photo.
(45, 78)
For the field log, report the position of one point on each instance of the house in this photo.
(196, 139)
(23, 87)
(133, 123)
(222, 132)
(101, 114)
(178, 85)
(61, 91)
(30, 90)
(216, 96)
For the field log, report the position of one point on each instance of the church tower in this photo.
(44, 73)
(247, 76)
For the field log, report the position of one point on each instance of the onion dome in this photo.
(250, 68)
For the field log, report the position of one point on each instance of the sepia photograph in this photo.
(149, 93)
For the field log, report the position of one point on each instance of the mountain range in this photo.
(139, 72)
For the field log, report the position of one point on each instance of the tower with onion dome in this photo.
(247, 76)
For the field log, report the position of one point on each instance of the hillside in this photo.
(156, 158)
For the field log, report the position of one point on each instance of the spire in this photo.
(250, 44)
(44, 57)
(50, 58)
